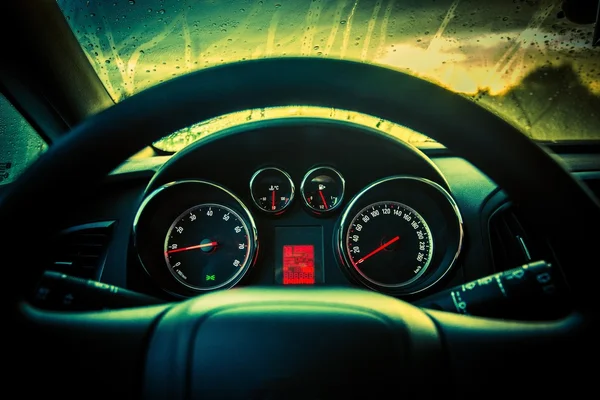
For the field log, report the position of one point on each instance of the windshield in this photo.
(523, 59)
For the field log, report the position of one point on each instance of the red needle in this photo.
(323, 198)
(198, 246)
(377, 250)
(273, 199)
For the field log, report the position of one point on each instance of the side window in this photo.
(20, 144)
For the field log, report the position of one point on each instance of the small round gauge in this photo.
(208, 247)
(389, 244)
(322, 189)
(272, 190)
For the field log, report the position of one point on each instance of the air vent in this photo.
(81, 250)
(510, 244)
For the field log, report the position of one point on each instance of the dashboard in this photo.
(298, 202)
(295, 202)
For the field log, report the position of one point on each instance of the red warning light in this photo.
(299, 264)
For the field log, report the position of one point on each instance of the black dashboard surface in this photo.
(296, 146)
(229, 159)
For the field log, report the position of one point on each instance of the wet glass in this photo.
(520, 59)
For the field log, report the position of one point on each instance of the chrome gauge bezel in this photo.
(286, 176)
(303, 194)
(247, 257)
(398, 189)
(365, 276)
(156, 215)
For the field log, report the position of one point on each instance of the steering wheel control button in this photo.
(322, 190)
(272, 190)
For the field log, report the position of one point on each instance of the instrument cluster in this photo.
(398, 235)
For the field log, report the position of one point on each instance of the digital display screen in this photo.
(298, 255)
(299, 264)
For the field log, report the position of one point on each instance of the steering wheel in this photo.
(273, 343)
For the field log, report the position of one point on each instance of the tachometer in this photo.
(389, 244)
(208, 247)
(194, 237)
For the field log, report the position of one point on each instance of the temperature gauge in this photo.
(272, 190)
(322, 189)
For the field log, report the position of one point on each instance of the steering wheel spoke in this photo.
(510, 358)
(291, 343)
(99, 352)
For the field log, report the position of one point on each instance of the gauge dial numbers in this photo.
(400, 235)
(389, 244)
(322, 190)
(207, 247)
(272, 190)
(194, 237)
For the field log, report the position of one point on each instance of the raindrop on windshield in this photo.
(132, 2)
(161, 11)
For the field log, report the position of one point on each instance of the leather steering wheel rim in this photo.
(531, 177)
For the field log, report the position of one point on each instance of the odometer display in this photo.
(389, 244)
(208, 247)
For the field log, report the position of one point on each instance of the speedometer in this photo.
(389, 244)
(400, 235)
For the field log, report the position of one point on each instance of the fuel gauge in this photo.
(322, 189)
(272, 190)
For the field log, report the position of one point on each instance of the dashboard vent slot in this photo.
(81, 250)
(510, 244)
